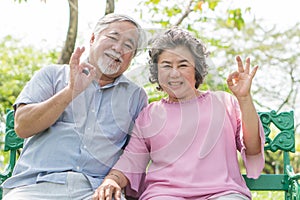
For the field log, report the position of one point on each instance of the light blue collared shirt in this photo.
(89, 135)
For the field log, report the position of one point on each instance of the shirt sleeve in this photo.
(254, 164)
(38, 89)
(134, 160)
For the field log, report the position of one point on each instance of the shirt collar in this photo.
(119, 80)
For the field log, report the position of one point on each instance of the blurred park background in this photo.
(40, 32)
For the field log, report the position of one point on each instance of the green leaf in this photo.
(212, 4)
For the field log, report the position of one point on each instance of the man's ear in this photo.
(92, 39)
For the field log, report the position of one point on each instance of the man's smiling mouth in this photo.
(115, 58)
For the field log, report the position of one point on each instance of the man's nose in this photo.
(117, 46)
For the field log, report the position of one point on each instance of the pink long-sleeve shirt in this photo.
(192, 148)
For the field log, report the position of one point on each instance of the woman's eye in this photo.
(182, 66)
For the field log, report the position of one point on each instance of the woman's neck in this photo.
(197, 93)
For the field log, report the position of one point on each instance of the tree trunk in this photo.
(110, 6)
(72, 33)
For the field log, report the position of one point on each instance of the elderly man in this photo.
(76, 118)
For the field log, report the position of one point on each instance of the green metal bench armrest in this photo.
(6, 173)
(290, 172)
(294, 189)
(12, 144)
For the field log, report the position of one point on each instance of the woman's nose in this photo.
(174, 72)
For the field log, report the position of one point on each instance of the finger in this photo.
(229, 81)
(253, 72)
(108, 193)
(240, 64)
(118, 194)
(84, 67)
(232, 78)
(101, 194)
(81, 51)
(92, 74)
(233, 75)
(89, 70)
(96, 195)
(75, 57)
(87, 66)
(247, 66)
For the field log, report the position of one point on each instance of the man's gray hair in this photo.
(103, 23)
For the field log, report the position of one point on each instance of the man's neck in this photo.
(105, 80)
(102, 82)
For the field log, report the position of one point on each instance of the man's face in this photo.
(112, 49)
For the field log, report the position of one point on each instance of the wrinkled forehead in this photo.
(179, 50)
(123, 29)
(178, 54)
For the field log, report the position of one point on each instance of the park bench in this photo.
(279, 131)
(12, 144)
(283, 139)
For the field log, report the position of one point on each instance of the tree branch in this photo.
(110, 6)
(72, 33)
(286, 100)
(188, 10)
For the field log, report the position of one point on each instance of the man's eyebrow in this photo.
(114, 33)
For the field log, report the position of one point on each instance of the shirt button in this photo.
(78, 168)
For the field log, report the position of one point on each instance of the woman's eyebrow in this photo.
(183, 60)
(165, 62)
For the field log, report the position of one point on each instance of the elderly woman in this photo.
(185, 146)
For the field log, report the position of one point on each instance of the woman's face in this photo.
(176, 73)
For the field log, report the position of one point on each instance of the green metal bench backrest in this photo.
(283, 139)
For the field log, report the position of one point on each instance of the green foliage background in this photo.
(18, 64)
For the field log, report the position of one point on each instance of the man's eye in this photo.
(129, 46)
(111, 37)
